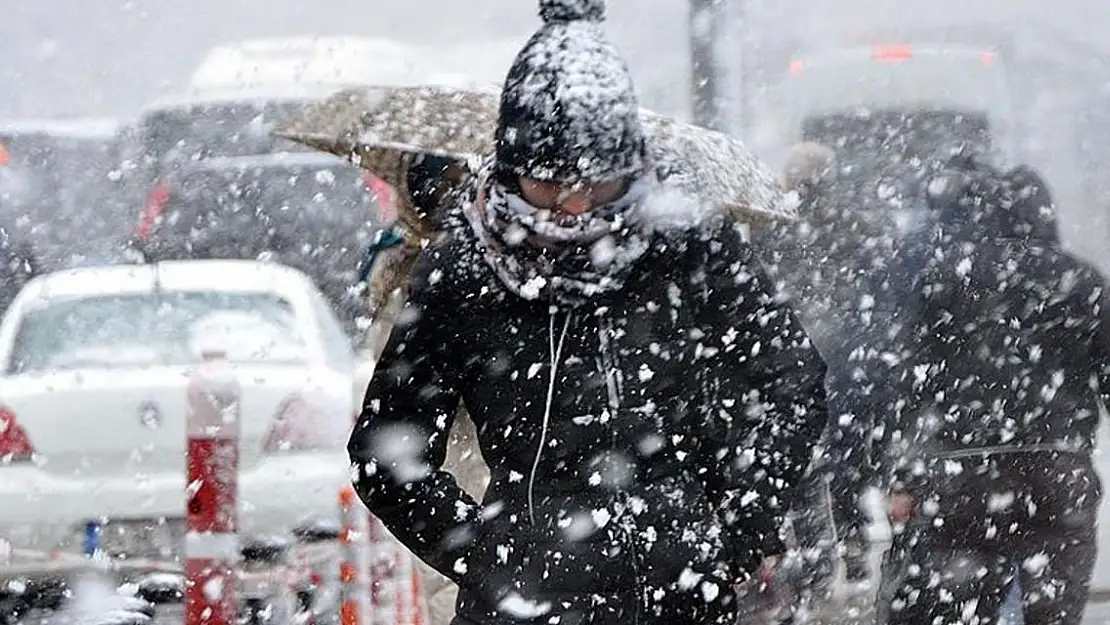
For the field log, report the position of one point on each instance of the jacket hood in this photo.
(1035, 216)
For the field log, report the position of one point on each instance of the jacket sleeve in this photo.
(763, 392)
(1102, 347)
(399, 443)
(922, 343)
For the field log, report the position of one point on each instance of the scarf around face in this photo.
(539, 253)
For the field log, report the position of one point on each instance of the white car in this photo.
(92, 401)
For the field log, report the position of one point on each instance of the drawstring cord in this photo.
(555, 350)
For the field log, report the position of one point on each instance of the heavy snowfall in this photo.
(562, 312)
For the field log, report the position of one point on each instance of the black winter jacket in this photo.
(1006, 344)
(643, 448)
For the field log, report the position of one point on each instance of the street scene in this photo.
(522, 312)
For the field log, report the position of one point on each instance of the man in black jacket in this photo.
(644, 401)
(825, 263)
(994, 493)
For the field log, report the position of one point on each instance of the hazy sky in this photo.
(110, 56)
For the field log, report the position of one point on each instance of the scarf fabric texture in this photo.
(539, 253)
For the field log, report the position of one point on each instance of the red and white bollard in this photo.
(212, 472)
(352, 540)
(396, 596)
(382, 600)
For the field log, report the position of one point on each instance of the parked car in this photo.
(57, 187)
(179, 130)
(93, 386)
(310, 211)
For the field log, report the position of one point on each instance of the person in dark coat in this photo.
(643, 400)
(1004, 363)
(825, 267)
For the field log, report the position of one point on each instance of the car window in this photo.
(337, 344)
(308, 217)
(155, 329)
(903, 134)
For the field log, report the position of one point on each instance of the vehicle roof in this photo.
(293, 68)
(300, 59)
(242, 276)
(353, 60)
(75, 127)
(260, 96)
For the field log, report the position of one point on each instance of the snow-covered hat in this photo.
(569, 110)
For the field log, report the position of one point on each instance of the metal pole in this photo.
(212, 491)
(707, 21)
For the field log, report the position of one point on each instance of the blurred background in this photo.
(109, 57)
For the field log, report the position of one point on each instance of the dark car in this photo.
(889, 78)
(172, 133)
(891, 113)
(311, 211)
(57, 189)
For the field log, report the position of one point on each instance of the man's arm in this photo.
(1101, 356)
(399, 443)
(924, 338)
(763, 394)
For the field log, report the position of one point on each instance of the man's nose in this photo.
(576, 203)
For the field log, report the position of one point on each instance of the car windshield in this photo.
(884, 157)
(165, 328)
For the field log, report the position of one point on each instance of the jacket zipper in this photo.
(614, 386)
(614, 382)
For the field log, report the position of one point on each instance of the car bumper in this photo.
(41, 511)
